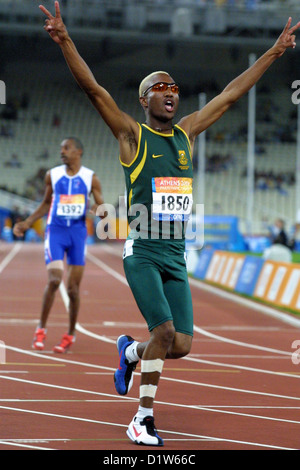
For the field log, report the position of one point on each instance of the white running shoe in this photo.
(144, 432)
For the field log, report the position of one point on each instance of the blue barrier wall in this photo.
(270, 281)
(249, 274)
(222, 232)
(4, 214)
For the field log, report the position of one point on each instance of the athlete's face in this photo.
(162, 105)
(69, 152)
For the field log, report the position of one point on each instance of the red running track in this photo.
(237, 390)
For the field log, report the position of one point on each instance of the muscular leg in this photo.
(180, 346)
(164, 300)
(164, 343)
(156, 348)
(54, 279)
(75, 274)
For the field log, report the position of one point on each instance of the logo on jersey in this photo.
(183, 160)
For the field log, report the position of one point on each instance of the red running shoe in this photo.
(39, 338)
(66, 342)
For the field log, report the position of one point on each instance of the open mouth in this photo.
(169, 106)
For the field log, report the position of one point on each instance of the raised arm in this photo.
(120, 123)
(198, 121)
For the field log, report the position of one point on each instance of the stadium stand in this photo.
(37, 136)
(199, 16)
(49, 109)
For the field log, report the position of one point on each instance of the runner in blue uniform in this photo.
(66, 201)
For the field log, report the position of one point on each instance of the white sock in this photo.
(143, 412)
(130, 352)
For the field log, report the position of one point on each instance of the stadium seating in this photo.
(35, 131)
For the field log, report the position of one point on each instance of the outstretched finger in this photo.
(295, 27)
(57, 10)
(47, 12)
(287, 26)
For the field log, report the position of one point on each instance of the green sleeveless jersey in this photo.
(159, 184)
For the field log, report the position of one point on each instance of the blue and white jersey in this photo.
(70, 196)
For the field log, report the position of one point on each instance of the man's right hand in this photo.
(54, 24)
(20, 228)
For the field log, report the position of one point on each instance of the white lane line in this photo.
(214, 408)
(111, 271)
(222, 364)
(57, 359)
(240, 356)
(107, 268)
(15, 444)
(122, 279)
(86, 332)
(14, 372)
(16, 248)
(254, 305)
(205, 408)
(87, 420)
(81, 329)
(199, 330)
(267, 310)
(170, 379)
(71, 389)
(65, 400)
(125, 282)
(172, 404)
(282, 316)
(240, 343)
(239, 367)
(116, 400)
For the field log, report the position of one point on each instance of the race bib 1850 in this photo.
(172, 198)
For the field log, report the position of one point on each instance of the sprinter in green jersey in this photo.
(159, 184)
(156, 157)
